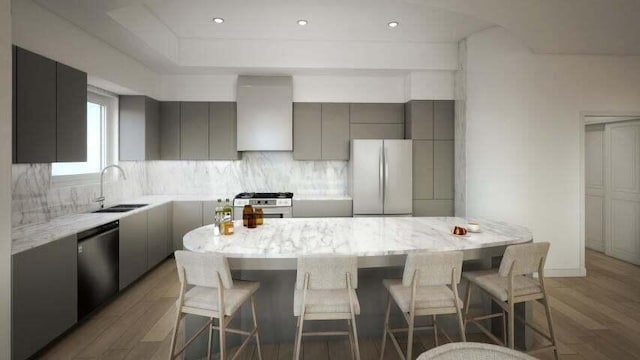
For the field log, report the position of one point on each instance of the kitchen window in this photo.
(101, 142)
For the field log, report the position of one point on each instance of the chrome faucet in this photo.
(101, 198)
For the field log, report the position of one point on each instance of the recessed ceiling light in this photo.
(218, 20)
(302, 22)
(393, 24)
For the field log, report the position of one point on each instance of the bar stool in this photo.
(428, 287)
(512, 284)
(214, 295)
(325, 290)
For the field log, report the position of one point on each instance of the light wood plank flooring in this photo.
(596, 317)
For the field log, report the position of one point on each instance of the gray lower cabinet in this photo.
(322, 208)
(71, 115)
(44, 295)
(170, 130)
(133, 248)
(307, 131)
(208, 212)
(194, 131)
(187, 215)
(158, 233)
(423, 169)
(335, 131)
(443, 169)
(35, 108)
(139, 128)
(222, 131)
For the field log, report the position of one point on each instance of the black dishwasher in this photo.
(97, 267)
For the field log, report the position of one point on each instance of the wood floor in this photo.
(596, 317)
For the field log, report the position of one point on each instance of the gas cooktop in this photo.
(260, 195)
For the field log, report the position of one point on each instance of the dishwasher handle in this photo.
(98, 230)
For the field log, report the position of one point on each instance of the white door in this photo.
(594, 187)
(398, 187)
(367, 173)
(622, 198)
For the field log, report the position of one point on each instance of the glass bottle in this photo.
(218, 214)
(247, 212)
(227, 227)
(251, 221)
(259, 214)
(227, 210)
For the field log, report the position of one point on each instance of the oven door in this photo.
(276, 212)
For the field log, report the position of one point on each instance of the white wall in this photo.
(524, 138)
(320, 88)
(5, 179)
(40, 31)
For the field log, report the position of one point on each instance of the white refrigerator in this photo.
(381, 177)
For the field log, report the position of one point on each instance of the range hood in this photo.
(265, 113)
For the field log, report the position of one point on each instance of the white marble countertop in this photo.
(32, 235)
(359, 236)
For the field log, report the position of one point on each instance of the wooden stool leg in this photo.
(410, 336)
(550, 324)
(504, 327)
(435, 330)
(355, 336)
(352, 345)
(174, 336)
(463, 336)
(511, 325)
(467, 300)
(222, 336)
(209, 342)
(386, 326)
(296, 353)
(255, 325)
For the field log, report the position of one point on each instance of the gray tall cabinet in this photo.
(430, 123)
(49, 110)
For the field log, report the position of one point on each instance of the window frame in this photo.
(110, 136)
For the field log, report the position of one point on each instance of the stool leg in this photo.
(467, 300)
(355, 336)
(174, 336)
(296, 354)
(255, 325)
(410, 336)
(504, 327)
(435, 330)
(222, 337)
(209, 342)
(511, 325)
(386, 326)
(351, 343)
(551, 332)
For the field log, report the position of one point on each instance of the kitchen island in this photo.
(268, 254)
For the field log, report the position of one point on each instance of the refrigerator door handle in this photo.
(386, 175)
(381, 175)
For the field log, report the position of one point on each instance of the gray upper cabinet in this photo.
(307, 129)
(35, 108)
(194, 131)
(44, 295)
(419, 120)
(139, 128)
(222, 131)
(377, 131)
(133, 248)
(158, 221)
(170, 130)
(443, 117)
(335, 131)
(49, 110)
(378, 113)
(71, 129)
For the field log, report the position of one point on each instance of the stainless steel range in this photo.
(273, 205)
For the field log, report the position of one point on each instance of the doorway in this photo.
(612, 187)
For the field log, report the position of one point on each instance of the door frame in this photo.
(591, 118)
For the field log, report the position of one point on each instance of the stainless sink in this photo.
(120, 208)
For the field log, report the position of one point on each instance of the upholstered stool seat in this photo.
(326, 301)
(427, 297)
(473, 351)
(496, 285)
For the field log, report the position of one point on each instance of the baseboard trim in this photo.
(579, 272)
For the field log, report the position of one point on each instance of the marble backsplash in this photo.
(36, 199)
(257, 171)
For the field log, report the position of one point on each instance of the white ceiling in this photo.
(178, 36)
